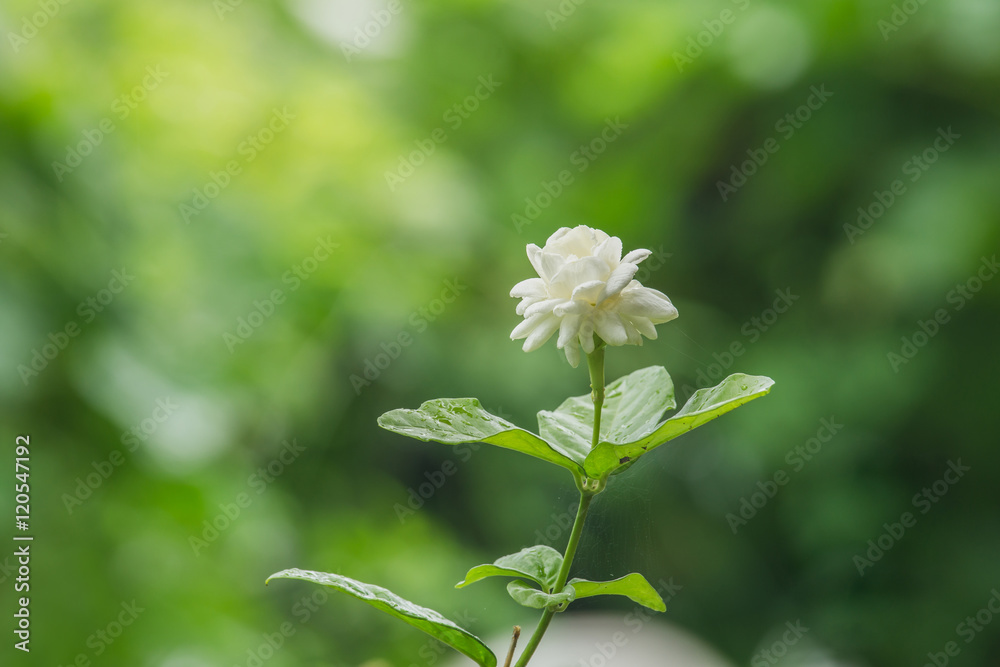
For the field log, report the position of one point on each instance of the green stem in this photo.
(595, 362)
(574, 541)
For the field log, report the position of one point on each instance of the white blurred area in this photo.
(609, 640)
(370, 27)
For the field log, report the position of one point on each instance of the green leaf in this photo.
(453, 421)
(703, 406)
(633, 586)
(525, 595)
(632, 409)
(428, 620)
(539, 563)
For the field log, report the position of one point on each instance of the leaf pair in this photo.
(630, 421)
(541, 564)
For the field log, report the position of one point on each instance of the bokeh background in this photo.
(212, 153)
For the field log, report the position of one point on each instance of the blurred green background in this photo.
(285, 188)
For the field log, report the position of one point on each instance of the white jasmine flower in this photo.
(585, 286)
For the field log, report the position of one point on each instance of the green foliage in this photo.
(454, 421)
(630, 424)
(633, 586)
(630, 442)
(632, 404)
(524, 594)
(539, 563)
(424, 619)
(794, 223)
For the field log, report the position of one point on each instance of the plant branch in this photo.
(574, 541)
(595, 363)
(513, 645)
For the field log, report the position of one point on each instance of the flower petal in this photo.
(577, 242)
(610, 251)
(610, 328)
(543, 306)
(588, 291)
(556, 235)
(568, 330)
(527, 326)
(533, 256)
(634, 336)
(586, 337)
(646, 302)
(546, 264)
(530, 287)
(541, 333)
(526, 303)
(644, 326)
(551, 264)
(573, 354)
(619, 280)
(572, 308)
(578, 272)
(637, 256)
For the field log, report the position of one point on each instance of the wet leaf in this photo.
(454, 421)
(525, 595)
(428, 620)
(703, 406)
(633, 586)
(539, 563)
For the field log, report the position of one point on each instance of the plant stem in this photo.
(595, 362)
(513, 645)
(574, 541)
